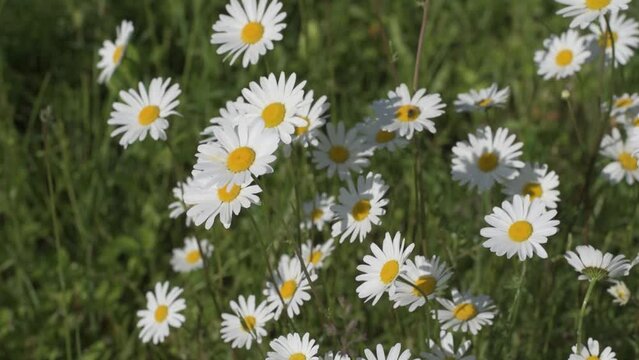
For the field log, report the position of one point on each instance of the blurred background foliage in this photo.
(84, 224)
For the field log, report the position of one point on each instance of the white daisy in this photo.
(625, 36)
(292, 285)
(314, 114)
(340, 151)
(447, 350)
(482, 99)
(189, 258)
(429, 276)
(314, 256)
(240, 152)
(250, 28)
(520, 227)
(275, 103)
(318, 212)
(380, 270)
(466, 313)
(624, 164)
(395, 353)
(111, 54)
(359, 207)
(486, 159)
(162, 310)
(246, 323)
(209, 201)
(537, 182)
(408, 114)
(230, 115)
(593, 265)
(562, 55)
(178, 207)
(591, 352)
(145, 112)
(625, 105)
(337, 356)
(620, 293)
(585, 11)
(377, 137)
(293, 347)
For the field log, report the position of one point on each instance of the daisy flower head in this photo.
(624, 34)
(447, 350)
(162, 311)
(377, 137)
(591, 351)
(314, 114)
(409, 114)
(239, 153)
(586, 11)
(318, 211)
(293, 347)
(593, 265)
(291, 288)
(395, 353)
(189, 257)
(624, 105)
(620, 292)
(562, 55)
(519, 227)
(145, 111)
(314, 256)
(340, 151)
(486, 158)
(337, 356)
(275, 104)
(482, 99)
(465, 312)
(230, 115)
(250, 28)
(428, 277)
(537, 182)
(380, 270)
(360, 206)
(624, 164)
(112, 53)
(246, 323)
(178, 207)
(208, 201)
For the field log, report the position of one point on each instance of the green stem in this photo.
(582, 313)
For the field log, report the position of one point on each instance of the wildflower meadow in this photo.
(319, 180)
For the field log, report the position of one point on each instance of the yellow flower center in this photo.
(533, 189)
(564, 57)
(148, 115)
(273, 114)
(317, 214)
(315, 257)
(384, 136)
(485, 102)
(117, 54)
(228, 195)
(288, 289)
(248, 323)
(487, 162)
(597, 4)
(297, 356)
(389, 271)
(161, 312)
(623, 102)
(627, 161)
(465, 311)
(407, 113)
(426, 285)
(606, 41)
(520, 231)
(240, 159)
(301, 130)
(252, 33)
(361, 209)
(193, 256)
(592, 357)
(338, 154)
(635, 122)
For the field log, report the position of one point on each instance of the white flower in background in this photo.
(359, 207)
(592, 352)
(624, 165)
(291, 286)
(593, 265)
(482, 99)
(318, 212)
(145, 112)
(314, 114)
(537, 182)
(429, 276)
(189, 257)
(230, 115)
(486, 159)
(377, 137)
(447, 350)
(293, 347)
(465, 312)
(111, 54)
(250, 28)
(625, 36)
(586, 11)
(162, 311)
(340, 152)
(620, 293)
(337, 356)
(314, 256)
(408, 114)
(178, 207)
(246, 323)
(624, 105)
(395, 353)
(562, 55)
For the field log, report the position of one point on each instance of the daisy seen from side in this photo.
(112, 53)
(189, 257)
(465, 313)
(246, 323)
(425, 278)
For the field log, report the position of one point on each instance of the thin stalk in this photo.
(582, 314)
(514, 309)
(209, 285)
(573, 119)
(420, 43)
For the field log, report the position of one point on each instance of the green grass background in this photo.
(84, 227)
